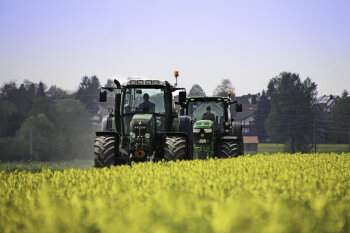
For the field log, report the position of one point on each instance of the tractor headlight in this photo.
(208, 130)
(147, 135)
(132, 135)
(196, 130)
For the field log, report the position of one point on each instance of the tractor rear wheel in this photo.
(175, 148)
(229, 149)
(104, 151)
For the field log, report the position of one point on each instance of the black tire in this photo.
(229, 149)
(175, 148)
(104, 150)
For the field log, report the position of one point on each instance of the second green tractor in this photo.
(215, 133)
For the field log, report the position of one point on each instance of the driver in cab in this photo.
(147, 106)
(208, 115)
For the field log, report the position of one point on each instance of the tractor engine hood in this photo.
(142, 131)
(141, 127)
(203, 132)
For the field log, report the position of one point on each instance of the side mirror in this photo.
(239, 108)
(182, 97)
(103, 96)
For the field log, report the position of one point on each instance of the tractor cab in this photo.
(209, 108)
(146, 100)
(213, 124)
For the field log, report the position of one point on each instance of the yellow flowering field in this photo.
(261, 193)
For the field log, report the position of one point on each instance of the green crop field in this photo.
(320, 148)
(261, 193)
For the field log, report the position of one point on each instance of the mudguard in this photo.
(185, 124)
(237, 130)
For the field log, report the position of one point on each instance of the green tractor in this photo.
(143, 126)
(215, 133)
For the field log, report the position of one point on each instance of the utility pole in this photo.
(315, 133)
(31, 139)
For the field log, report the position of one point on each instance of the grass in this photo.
(35, 166)
(321, 148)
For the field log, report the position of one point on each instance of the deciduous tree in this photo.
(341, 119)
(292, 116)
(223, 88)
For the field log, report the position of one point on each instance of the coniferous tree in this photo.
(196, 90)
(261, 115)
(110, 83)
(87, 93)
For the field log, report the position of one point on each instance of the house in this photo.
(250, 143)
(248, 99)
(246, 117)
(326, 103)
(249, 108)
(324, 106)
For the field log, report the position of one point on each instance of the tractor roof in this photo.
(207, 99)
(146, 82)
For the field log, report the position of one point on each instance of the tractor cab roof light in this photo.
(148, 82)
(140, 82)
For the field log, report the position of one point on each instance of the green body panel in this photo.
(232, 131)
(143, 116)
(201, 151)
(203, 124)
(113, 124)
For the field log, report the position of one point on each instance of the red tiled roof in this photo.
(250, 139)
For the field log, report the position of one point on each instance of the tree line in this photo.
(41, 123)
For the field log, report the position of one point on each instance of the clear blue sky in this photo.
(245, 41)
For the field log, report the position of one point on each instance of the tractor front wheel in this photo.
(229, 149)
(104, 151)
(175, 148)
